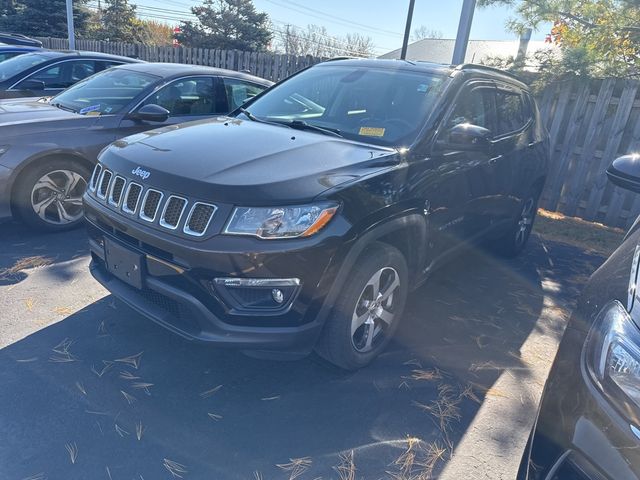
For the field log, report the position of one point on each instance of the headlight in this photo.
(612, 356)
(280, 222)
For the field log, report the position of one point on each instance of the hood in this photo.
(239, 161)
(19, 117)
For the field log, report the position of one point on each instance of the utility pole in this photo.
(407, 30)
(70, 29)
(464, 29)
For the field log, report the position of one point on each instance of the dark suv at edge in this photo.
(305, 218)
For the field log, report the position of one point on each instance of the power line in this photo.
(319, 14)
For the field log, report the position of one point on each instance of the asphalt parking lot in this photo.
(91, 390)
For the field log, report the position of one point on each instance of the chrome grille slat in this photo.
(172, 212)
(105, 180)
(93, 183)
(150, 204)
(132, 198)
(115, 193)
(199, 218)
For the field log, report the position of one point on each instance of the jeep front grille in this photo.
(150, 204)
(172, 212)
(132, 198)
(116, 191)
(93, 183)
(104, 183)
(199, 218)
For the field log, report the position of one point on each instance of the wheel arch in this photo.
(406, 232)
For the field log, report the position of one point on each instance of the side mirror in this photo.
(151, 113)
(468, 135)
(33, 85)
(625, 172)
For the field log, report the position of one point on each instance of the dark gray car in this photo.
(48, 146)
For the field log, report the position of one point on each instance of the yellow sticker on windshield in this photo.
(372, 131)
(95, 113)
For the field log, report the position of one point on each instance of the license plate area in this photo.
(123, 263)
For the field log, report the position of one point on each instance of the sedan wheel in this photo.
(57, 197)
(48, 195)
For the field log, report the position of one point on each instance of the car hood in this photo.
(19, 117)
(240, 161)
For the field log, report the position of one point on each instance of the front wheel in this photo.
(368, 310)
(48, 196)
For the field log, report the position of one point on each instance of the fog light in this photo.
(257, 294)
(277, 295)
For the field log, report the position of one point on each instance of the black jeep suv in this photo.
(306, 217)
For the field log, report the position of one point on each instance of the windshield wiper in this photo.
(302, 125)
(63, 107)
(253, 118)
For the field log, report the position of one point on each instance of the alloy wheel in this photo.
(525, 221)
(57, 197)
(374, 311)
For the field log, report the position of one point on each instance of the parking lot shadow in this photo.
(24, 250)
(107, 394)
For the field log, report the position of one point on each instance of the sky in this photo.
(382, 20)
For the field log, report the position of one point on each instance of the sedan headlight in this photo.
(280, 222)
(612, 356)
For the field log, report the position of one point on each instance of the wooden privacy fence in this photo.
(590, 124)
(271, 66)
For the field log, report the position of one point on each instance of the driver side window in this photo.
(475, 106)
(186, 97)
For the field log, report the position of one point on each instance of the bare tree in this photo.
(422, 32)
(316, 41)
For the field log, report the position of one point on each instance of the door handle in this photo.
(494, 160)
(532, 145)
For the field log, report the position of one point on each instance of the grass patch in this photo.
(591, 236)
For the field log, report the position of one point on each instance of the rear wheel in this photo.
(48, 196)
(368, 310)
(515, 239)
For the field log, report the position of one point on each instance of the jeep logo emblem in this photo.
(143, 174)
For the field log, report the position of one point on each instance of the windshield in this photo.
(379, 106)
(13, 66)
(107, 92)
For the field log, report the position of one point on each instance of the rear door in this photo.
(513, 136)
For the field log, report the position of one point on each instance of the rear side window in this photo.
(511, 112)
(7, 55)
(239, 91)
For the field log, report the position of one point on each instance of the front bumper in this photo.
(578, 434)
(179, 292)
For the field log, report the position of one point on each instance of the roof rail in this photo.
(344, 57)
(475, 66)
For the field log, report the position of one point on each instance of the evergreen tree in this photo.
(41, 18)
(118, 23)
(227, 25)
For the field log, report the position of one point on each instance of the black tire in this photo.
(61, 173)
(350, 351)
(515, 239)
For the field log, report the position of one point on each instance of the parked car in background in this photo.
(18, 39)
(10, 51)
(48, 147)
(48, 72)
(306, 219)
(588, 424)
